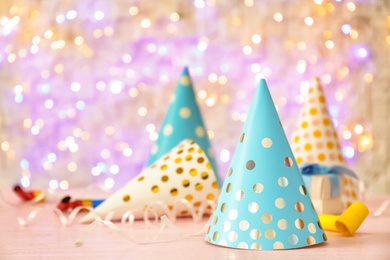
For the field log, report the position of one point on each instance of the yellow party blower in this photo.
(348, 222)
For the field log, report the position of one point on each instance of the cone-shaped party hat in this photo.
(314, 138)
(183, 121)
(264, 204)
(183, 174)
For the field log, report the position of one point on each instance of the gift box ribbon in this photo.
(313, 169)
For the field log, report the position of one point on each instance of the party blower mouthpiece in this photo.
(348, 222)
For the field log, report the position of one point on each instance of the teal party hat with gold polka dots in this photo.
(183, 121)
(264, 204)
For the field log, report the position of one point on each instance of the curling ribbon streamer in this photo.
(382, 208)
(129, 217)
(24, 222)
(67, 221)
(30, 217)
(312, 169)
(165, 222)
(171, 214)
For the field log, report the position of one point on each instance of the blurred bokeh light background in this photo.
(84, 85)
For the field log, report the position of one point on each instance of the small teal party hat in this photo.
(264, 204)
(183, 121)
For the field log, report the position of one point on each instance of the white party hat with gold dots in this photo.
(314, 138)
(264, 204)
(180, 180)
(183, 121)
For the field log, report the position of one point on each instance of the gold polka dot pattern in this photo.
(230, 172)
(200, 131)
(266, 218)
(183, 174)
(270, 234)
(250, 165)
(242, 137)
(126, 198)
(185, 183)
(185, 81)
(200, 160)
(228, 187)
(193, 172)
(299, 207)
(210, 196)
(302, 190)
(288, 161)
(155, 189)
(208, 166)
(299, 223)
(199, 186)
(189, 197)
(310, 240)
(350, 190)
(278, 245)
(178, 160)
(174, 191)
(282, 224)
(185, 112)
(223, 207)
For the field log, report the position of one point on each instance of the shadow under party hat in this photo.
(314, 138)
(264, 204)
(180, 180)
(183, 121)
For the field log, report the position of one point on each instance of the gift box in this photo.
(332, 193)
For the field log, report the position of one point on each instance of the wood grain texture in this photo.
(46, 238)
